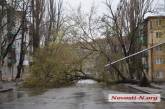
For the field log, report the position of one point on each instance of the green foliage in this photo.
(100, 63)
(52, 66)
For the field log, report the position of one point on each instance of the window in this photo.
(150, 24)
(158, 48)
(159, 61)
(159, 74)
(158, 35)
(158, 22)
(18, 44)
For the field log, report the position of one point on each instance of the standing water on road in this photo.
(86, 94)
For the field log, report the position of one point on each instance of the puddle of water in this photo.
(35, 92)
(86, 82)
(7, 96)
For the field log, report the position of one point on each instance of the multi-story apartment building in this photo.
(11, 20)
(155, 32)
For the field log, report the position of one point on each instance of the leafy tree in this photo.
(53, 66)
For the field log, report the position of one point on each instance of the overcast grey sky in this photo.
(86, 4)
(100, 4)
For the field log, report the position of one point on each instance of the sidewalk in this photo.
(162, 86)
(7, 86)
(156, 89)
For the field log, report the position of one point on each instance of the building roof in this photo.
(155, 17)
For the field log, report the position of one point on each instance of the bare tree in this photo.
(122, 29)
(87, 31)
(56, 25)
(24, 28)
(8, 30)
(38, 9)
(126, 24)
(2, 6)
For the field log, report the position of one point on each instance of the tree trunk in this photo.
(1, 17)
(23, 47)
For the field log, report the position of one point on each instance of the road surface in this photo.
(81, 96)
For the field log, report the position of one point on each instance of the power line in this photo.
(134, 54)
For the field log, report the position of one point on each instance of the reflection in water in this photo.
(79, 100)
(20, 94)
(81, 96)
(7, 96)
(35, 92)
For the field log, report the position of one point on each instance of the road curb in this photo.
(6, 90)
(144, 91)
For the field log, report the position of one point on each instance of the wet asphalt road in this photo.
(81, 96)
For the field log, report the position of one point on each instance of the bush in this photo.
(52, 66)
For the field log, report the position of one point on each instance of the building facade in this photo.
(155, 29)
(10, 23)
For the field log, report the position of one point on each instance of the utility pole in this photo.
(127, 57)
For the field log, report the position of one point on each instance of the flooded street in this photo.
(80, 96)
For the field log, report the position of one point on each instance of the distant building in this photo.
(155, 31)
(12, 19)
